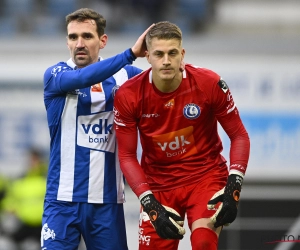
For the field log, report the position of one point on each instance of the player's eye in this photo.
(88, 36)
(159, 54)
(173, 53)
(72, 37)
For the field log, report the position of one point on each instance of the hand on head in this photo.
(139, 47)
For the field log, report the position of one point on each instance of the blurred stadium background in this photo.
(253, 44)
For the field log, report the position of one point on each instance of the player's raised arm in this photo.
(139, 48)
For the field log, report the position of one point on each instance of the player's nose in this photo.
(80, 43)
(166, 59)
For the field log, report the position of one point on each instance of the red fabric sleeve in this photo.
(132, 170)
(240, 142)
(228, 116)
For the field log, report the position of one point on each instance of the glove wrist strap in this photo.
(234, 171)
(144, 194)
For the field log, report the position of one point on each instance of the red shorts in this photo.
(187, 200)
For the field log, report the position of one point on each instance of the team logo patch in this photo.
(191, 111)
(223, 85)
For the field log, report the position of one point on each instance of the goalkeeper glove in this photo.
(166, 221)
(229, 196)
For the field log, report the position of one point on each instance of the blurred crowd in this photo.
(46, 17)
(21, 205)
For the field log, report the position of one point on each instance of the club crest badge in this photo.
(191, 111)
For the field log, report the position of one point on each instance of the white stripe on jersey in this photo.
(98, 98)
(121, 76)
(68, 133)
(119, 178)
(97, 161)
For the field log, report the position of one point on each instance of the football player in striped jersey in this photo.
(85, 188)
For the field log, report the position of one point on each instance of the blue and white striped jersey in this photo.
(83, 164)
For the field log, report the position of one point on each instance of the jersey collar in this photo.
(150, 75)
(73, 65)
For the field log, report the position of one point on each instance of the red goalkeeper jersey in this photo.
(178, 130)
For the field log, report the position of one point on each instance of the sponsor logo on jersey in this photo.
(191, 111)
(96, 132)
(101, 127)
(223, 85)
(143, 239)
(97, 87)
(150, 115)
(177, 144)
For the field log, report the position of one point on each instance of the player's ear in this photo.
(103, 40)
(147, 55)
(182, 53)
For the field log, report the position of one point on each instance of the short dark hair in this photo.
(84, 14)
(164, 30)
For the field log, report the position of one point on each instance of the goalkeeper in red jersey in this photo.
(182, 172)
